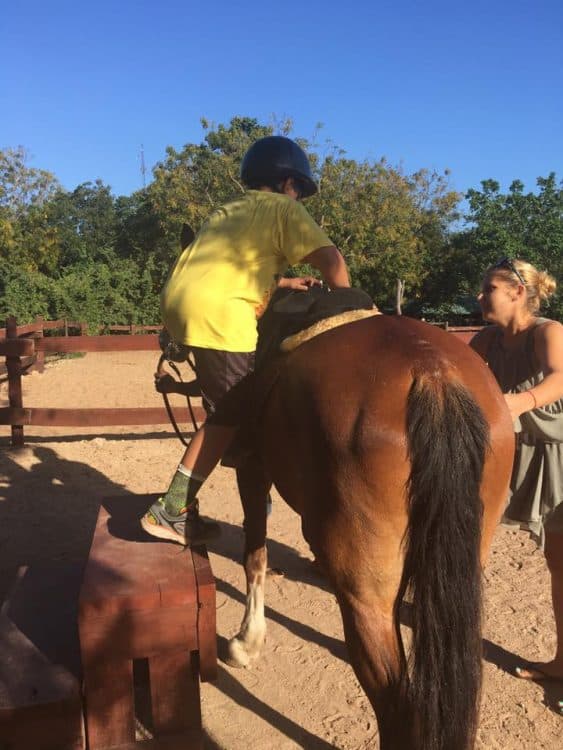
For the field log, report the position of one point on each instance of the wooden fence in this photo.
(24, 348)
(34, 361)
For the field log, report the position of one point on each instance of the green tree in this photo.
(385, 222)
(24, 192)
(24, 294)
(20, 185)
(103, 293)
(514, 224)
(90, 255)
(141, 236)
(85, 223)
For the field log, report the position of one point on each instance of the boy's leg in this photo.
(175, 515)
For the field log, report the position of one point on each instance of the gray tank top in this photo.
(517, 370)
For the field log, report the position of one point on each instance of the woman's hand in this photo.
(299, 283)
(518, 403)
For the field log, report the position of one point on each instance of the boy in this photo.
(218, 289)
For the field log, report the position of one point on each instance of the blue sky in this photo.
(473, 87)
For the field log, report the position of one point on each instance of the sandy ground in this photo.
(302, 693)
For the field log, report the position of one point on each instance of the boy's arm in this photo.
(331, 265)
(165, 383)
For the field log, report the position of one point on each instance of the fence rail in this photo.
(40, 325)
(43, 417)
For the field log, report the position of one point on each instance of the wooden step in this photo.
(40, 704)
(144, 602)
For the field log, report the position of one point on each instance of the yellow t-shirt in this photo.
(221, 283)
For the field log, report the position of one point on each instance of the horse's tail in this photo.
(447, 441)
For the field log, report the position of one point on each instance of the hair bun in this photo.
(546, 285)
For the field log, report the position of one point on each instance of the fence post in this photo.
(399, 297)
(14, 367)
(39, 364)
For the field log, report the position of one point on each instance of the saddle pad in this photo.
(322, 326)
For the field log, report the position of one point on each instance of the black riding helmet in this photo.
(270, 160)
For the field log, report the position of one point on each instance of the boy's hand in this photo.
(299, 283)
(164, 383)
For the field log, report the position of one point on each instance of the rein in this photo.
(169, 411)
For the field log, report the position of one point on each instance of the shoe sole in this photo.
(161, 532)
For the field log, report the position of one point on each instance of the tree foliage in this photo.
(385, 222)
(90, 255)
(22, 186)
(515, 224)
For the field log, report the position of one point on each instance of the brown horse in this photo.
(392, 441)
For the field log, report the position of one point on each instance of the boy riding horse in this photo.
(216, 292)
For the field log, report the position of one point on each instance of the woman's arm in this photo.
(548, 340)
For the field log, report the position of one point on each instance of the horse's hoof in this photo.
(237, 656)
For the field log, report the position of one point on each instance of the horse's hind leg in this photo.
(375, 657)
(254, 486)
(364, 562)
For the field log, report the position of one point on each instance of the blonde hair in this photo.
(540, 285)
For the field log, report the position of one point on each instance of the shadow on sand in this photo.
(48, 511)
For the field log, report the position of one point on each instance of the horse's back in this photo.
(340, 412)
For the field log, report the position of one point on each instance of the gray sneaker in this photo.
(187, 528)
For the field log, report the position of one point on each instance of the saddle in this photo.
(293, 317)
(327, 324)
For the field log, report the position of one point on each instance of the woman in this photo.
(525, 352)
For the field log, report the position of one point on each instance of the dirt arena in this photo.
(302, 693)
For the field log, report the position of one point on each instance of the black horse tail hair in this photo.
(448, 439)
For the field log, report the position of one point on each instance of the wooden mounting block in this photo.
(146, 610)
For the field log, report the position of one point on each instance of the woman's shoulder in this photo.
(547, 324)
(548, 332)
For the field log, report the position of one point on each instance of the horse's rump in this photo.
(349, 386)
